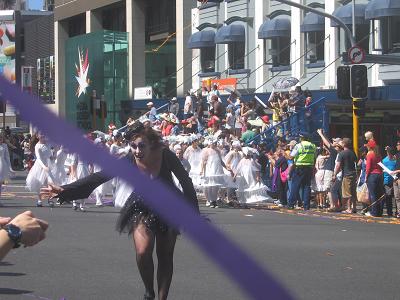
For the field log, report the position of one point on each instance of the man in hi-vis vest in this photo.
(303, 154)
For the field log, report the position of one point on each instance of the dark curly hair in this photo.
(138, 130)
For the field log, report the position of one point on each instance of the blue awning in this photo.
(277, 27)
(345, 13)
(230, 34)
(202, 39)
(377, 9)
(312, 23)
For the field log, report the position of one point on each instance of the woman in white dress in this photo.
(39, 175)
(106, 187)
(193, 156)
(5, 163)
(59, 174)
(321, 186)
(232, 160)
(212, 172)
(79, 169)
(250, 189)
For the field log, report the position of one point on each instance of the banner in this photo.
(7, 51)
(225, 86)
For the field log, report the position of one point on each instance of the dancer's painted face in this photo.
(140, 148)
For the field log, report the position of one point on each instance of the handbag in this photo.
(284, 174)
(363, 194)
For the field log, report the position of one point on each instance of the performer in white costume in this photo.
(193, 155)
(40, 174)
(59, 173)
(232, 160)
(212, 172)
(250, 187)
(79, 170)
(106, 187)
(5, 164)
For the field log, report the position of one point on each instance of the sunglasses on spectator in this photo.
(140, 145)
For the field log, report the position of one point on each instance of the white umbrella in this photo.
(285, 83)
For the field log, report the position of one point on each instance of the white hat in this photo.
(174, 99)
(150, 103)
(236, 144)
(246, 151)
(177, 147)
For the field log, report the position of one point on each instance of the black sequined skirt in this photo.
(135, 212)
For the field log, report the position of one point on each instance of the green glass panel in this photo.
(104, 57)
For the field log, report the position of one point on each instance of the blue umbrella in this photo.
(285, 83)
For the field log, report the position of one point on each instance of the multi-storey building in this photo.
(104, 49)
(260, 41)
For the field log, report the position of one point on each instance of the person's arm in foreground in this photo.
(32, 229)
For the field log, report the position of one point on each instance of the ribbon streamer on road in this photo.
(240, 267)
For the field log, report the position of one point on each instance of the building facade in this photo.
(133, 43)
(259, 42)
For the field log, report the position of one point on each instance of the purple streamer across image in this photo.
(240, 267)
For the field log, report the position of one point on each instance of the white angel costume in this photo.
(80, 170)
(249, 189)
(193, 156)
(232, 160)
(214, 177)
(38, 176)
(5, 163)
(59, 174)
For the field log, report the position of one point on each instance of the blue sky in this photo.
(35, 4)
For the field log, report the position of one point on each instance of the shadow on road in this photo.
(6, 291)
(9, 274)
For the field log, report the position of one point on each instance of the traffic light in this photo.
(359, 107)
(359, 81)
(343, 82)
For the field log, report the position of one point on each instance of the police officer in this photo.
(303, 154)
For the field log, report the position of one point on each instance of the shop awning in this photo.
(230, 34)
(277, 27)
(312, 23)
(377, 9)
(345, 13)
(202, 39)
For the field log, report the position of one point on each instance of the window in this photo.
(362, 38)
(77, 25)
(315, 46)
(390, 35)
(280, 51)
(236, 53)
(207, 59)
(114, 18)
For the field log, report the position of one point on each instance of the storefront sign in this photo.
(143, 93)
(82, 72)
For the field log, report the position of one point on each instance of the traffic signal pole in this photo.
(355, 129)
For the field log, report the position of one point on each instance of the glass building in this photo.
(96, 78)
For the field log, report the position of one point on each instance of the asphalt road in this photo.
(314, 257)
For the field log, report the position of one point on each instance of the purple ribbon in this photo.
(245, 271)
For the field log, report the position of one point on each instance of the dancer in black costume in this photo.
(148, 229)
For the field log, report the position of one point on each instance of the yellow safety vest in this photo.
(306, 154)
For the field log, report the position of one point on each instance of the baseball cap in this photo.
(265, 119)
(150, 103)
(174, 99)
